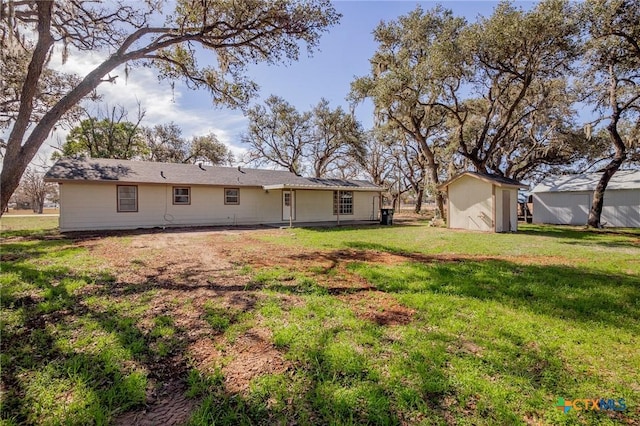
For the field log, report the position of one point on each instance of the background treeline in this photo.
(521, 94)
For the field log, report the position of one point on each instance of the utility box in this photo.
(386, 216)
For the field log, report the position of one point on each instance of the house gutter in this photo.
(285, 186)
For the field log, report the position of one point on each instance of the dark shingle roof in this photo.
(126, 171)
(498, 180)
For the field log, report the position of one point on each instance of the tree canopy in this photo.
(103, 139)
(106, 134)
(233, 33)
(324, 141)
(165, 143)
(499, 95)
(611, 77)
(107, 138)
(416, 56)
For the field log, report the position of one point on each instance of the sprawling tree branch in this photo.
(236, 33)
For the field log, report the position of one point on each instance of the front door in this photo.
(506, 210)
(288, 205)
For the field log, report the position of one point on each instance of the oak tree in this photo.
(515, 100)
(165, 143)
(235, 33)
(337, 142)
(378, 162)
(278, 134)
(324, 141)
(417, 55)
(108, 135)
(612, 81)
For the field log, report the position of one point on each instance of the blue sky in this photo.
(343, 54)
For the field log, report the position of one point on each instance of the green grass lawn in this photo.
(501, 327)
(15, 226)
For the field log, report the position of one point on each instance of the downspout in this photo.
(290, 208)
(373, 207)
(494, 223)
(338, 211)
(448, 209)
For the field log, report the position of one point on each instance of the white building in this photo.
(567, 199)
(117, 194)
(482, 202)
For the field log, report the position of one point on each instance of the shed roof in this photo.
(127, 171)
(493, 179)
(622, 179)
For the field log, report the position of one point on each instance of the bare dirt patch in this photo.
(171, 407)
(188, 272)
(185, 274)
(379, 307)
(252, 355)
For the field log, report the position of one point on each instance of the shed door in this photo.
(506, 210)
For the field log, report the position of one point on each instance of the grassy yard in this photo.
(373, 325)
(30, 226)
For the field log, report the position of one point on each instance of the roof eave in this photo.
(322, 187)
(507, 185)
(482, 178)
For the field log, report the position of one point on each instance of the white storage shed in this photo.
(566, 200)
(482, 202)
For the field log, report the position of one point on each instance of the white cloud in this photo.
(191, 110)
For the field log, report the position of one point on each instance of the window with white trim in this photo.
(343, 200)
(127, 198)
(181, 195)
(232, 195)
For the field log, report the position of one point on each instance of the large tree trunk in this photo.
(419, 196)
(619, 157)
(433, 171)
(19, 155)
(16, 156)
(10, 179)
(395, 201)
(37, 206)
(432, 168)
(598, 195)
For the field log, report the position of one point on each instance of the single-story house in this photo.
(100, 194)
(567, 199)
(482, 202)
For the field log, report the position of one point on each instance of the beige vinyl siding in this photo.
(93, 206)
(317, 205)
(88, 206)
(470, 202)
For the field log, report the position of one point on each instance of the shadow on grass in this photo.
(343, 228)
(85, 357)
(30, 234)
(31, 248)
(70, 359)
(332, 382)
(327, 386)
(361, 245)
(38, 365)
(623, 237)
(567, 293)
